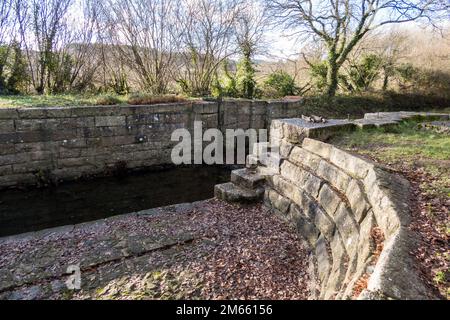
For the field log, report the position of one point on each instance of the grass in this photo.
(339, 107)
(83, 100)
(424, 157)
(147, 99)
(408, 145)
(44, 101)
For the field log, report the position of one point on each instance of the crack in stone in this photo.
(95, 266)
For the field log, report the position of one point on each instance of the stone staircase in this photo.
(247, 185)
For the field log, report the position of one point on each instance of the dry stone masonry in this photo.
(62, 143)
(338, 201)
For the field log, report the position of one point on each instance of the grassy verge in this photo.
(407, 145)
(83, 100)
(338, 107)
(45, 101)
(424, 158)
(356, 106)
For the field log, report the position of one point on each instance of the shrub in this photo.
(148, 99)
(363, 74)
(280, 84)
(318, 74)
(13, 70)
(107, 101)
(245, 76)
(407, 72)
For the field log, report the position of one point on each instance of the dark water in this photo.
(76, 202)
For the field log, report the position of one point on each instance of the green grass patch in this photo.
(343, 106)
(45, 101)
(85, 100)
(406, 144)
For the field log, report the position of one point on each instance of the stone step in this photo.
(233, 193)
(267, 172)
(246, 178)
(251, 162)
(270, 160)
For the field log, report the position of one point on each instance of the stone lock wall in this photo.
(337, 201)
(66, 143)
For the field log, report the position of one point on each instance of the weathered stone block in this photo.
(110, 121)
(91, 111)
(301, 178)
(276, 129)
(8, 113)
(323, 132)
(8, 138)
(323, 260)
(7, 126)
(354, 165)
(278, 201)
(397, 263)
(324, 224)
(232, 193)
(15, 158)
(259, 107)
(4, 170)
(6, 149)
(305, 158)
(382, 204)
(34, 147)
(358, 200)
(76, 162)
(338, 269)
(318, 147)
(329, 199)
(365, 245)
(246, 178)
(348, 229)
(336, 177)
(285, 149)
(293, 133)
(47, 112)
(33, 166)
(14, 179)
(312, 184)
(304, 225)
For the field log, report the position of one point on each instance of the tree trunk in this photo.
(332, 76)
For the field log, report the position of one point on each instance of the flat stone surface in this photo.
(188, 251)
(310, 125)
(233, 193)
(246, 178)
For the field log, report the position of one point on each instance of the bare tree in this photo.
(341, 24)
(6, 19)
(250, 27)
(79, 48)
(46, 20)
(207, 38)
(56, 36)
(147, 36)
